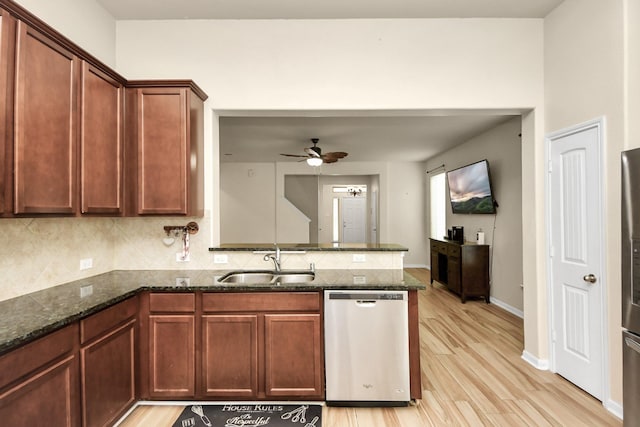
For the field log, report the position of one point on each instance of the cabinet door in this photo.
(163, 138)
(454, 281)
(172, 355)
(45, 125)
(101, 142)
(47, 398)
(230, 355)
(293, 355)
(7, 44)
(435, 271)
(108, 376)
(475, 271)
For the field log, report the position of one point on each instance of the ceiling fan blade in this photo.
(335, 155)
(329, 159)
(293, 155)
(313, 151)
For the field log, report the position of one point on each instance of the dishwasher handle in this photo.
(365, 303)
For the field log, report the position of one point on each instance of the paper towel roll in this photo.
(480, 237)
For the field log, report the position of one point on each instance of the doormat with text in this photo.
(250, 415)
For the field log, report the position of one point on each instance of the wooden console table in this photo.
(464, 269)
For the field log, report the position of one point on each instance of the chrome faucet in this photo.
(275, 258)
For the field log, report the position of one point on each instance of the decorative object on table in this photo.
(250, 414)
(458, 234)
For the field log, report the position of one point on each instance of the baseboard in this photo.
(417, 266)
(542, 364)
(614, 407)
(507, 307)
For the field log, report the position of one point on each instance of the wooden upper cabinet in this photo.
(7, 45)
(101, 142)
(164, 149)
(45, 125)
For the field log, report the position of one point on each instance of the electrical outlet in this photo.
(183, 281)
(85, 291)
(181, 258)
(220, 258)
(359, 258)
(86, 263)
(359, 280)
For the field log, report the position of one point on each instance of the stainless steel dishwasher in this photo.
(366, 348)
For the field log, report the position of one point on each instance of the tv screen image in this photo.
(470, 189)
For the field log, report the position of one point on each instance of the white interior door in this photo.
(354, 220)
(374, 217)
(576, 256)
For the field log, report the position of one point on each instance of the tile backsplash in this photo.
(39, 253)
(42, 252)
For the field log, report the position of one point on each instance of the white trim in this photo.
(614, 407)
(507, 307)
(600, 124)
(541, 364)
(425, 266)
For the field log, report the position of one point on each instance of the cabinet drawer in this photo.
(37, 354)
(107, 319)
(439, 247)
(260, 301)
(453, 250)
(172, 302)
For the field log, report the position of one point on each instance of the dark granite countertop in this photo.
(34, 315)
(329, 247)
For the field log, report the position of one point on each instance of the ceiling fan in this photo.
(315, 157)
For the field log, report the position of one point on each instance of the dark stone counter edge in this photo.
(310, 248)
(13, 344)
(33, 335)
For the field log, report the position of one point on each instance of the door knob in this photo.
(591, 278)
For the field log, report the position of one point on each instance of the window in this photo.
(438, 201)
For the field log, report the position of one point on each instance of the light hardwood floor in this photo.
(472, 375)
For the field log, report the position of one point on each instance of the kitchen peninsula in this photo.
(89, 349)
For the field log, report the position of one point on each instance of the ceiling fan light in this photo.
(314, 161)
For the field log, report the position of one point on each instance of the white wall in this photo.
(501, 146)
(407, 215)
(248, 203)
(342, 64)
(85, 22)
(584, 79)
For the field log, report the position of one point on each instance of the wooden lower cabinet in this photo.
(293, 355)
(230, 355)
(108, 363)
(168, 345)
(172, 351)
(39, 382)
(231, 345)
(262, 345)
(108, 381)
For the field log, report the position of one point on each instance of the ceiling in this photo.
(263, 139)
(326, 9)
(365, 136)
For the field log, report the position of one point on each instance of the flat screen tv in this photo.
(470, 189)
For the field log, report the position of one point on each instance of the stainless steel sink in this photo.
(295, 277)
(267, 277)
(247, 277)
